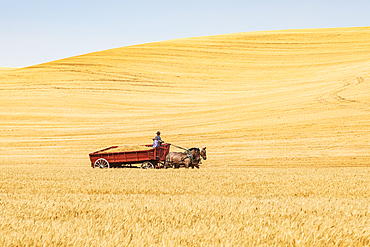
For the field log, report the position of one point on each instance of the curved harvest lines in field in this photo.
(336, 98)
(290, 97)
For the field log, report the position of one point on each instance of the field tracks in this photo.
(333, 98)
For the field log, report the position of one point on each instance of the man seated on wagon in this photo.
(158, 138)
(155, 143)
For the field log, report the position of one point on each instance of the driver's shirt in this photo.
(158, 138)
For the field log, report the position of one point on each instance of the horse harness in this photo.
(189, 155)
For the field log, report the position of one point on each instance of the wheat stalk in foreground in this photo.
(209, 207)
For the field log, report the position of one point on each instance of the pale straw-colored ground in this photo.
(284, 116)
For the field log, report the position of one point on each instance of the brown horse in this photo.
(202, 154)
(190, 157)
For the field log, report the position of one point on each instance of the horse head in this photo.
(199, 152)
(203, 153)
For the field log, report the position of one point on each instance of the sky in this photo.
(38, 31)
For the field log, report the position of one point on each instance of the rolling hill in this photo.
(272, 98)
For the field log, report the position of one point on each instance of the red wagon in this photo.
(149, 159)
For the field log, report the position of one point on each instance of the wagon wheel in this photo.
(147, 165)
(101, 163)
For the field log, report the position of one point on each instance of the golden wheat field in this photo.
(284, 116)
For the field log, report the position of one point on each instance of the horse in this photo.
(202, 155)
(190, 157)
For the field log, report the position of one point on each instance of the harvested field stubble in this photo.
(251, 98)
(239, 207)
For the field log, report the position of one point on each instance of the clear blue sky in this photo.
(38, 31)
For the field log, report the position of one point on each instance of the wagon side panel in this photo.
(136, 156)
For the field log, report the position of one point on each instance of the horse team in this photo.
(190, 158)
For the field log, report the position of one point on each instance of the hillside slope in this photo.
(287, 98)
